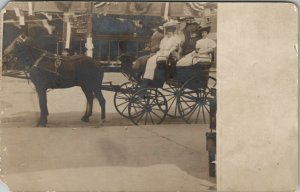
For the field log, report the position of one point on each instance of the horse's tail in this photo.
(100, 70)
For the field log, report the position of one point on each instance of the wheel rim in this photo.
(193, 103)
(122, 98)
(172, 92)
(147, 106)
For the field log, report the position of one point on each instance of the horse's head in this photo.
(18, 52)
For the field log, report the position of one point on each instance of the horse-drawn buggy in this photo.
(183, 92)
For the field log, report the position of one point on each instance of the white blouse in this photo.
(204, 44)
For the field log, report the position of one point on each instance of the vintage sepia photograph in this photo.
(138, 96)
(108, 96)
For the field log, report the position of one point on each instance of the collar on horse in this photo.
(57, 60)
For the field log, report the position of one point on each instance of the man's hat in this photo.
(201, 29)
(170, 24)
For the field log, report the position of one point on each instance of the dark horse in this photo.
(49, 71)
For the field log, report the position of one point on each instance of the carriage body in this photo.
(182, 92)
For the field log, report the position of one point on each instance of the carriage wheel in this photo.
(147, 106)
(193, 103)
(172, 92)
(122, 98)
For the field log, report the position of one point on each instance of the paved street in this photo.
(70, 155)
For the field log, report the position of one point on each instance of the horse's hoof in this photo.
(41, 125)
(100, 124)
(85, 119)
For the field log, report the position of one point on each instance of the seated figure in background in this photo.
(152, 48)
(193, 35)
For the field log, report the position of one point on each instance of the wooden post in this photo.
(64, 34)
(89, 34)
(1, 34)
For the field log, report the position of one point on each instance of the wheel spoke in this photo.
(152, 103)
(143, 112)
(171, 98)
(188, 104)
(172, 103)
(176, 108)
(197, 114)
(206, 109)
(135, 110)
(189, 98)
(190, 107)
(156, 109)
(122, 103)
(146, 118)
(169, 94)
(126, 107)
(138, 113)
(191, 113)
(121, 97)
(139, 107)
(203, 114)
(151, 118)
(156, 115)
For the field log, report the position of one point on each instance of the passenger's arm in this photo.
(208, 50)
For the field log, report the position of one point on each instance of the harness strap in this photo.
(56, 64)
(36, 63)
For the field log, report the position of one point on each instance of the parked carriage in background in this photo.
(182, 94)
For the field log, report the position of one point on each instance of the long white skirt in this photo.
(151, 65)
(192, 58)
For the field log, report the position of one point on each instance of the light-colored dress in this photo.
(193, 57)
(167, 45)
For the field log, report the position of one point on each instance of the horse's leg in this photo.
(42, 94)
(89, 105)
(101, 100)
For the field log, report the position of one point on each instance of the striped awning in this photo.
(193, 9)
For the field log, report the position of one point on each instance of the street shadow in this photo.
(70, 120)
(114, 146)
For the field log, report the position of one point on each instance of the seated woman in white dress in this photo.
(204, 48)
(168, 45)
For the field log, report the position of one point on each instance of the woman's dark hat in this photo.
(201, 29)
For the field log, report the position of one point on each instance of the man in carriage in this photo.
(152, 47)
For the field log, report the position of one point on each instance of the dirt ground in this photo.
(70, 155)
